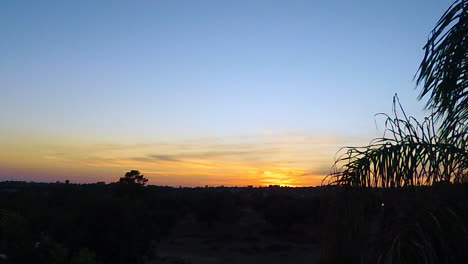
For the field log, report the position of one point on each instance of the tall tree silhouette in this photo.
(133, 177)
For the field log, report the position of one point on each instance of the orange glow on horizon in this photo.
(198, 163)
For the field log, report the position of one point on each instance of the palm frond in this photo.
(443, 73)
(410, 153)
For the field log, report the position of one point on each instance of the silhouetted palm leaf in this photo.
(443, 72)
(409, 154)
(414, 153)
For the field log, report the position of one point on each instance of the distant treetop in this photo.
(133, 177)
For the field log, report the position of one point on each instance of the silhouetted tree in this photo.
(133, 177)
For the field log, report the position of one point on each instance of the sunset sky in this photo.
(198, 93)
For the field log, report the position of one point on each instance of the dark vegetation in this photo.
(426, 224)
(110, 223)
(125, 223)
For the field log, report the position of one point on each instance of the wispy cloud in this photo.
(163, 158)
(290, 159)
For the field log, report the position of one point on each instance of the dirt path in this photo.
(203, 249)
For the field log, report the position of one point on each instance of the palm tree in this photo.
(413, 153)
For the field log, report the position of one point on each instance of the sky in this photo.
(196, 93)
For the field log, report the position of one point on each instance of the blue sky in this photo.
(135, 72)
